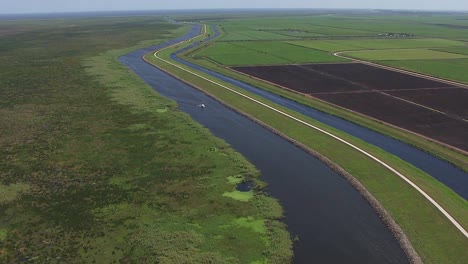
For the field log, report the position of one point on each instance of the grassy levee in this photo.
(432, 235)
(95, 167)
(455, 157)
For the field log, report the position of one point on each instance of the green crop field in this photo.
(281, 28)
(311, 37)
(448, 69)
(423, 26)
(318, 26)
(95, 167)
(256, 35)
(263, 53)
(297, 33)
(364, 44)
(248, 59)
(289, 52)
(403, 54)
(223, 48)
(457, 50)
(236, 37)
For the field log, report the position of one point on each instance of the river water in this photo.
(333, 222)
(453, 177)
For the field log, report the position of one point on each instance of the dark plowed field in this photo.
(396, 112)
(375, 78)
(299, 79)
(361, 88)
(451, 101)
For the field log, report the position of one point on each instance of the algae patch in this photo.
(3, 235)
(161, 110)
(234, 179)
(240, 196)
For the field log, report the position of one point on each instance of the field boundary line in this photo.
(412, 184)
(425, 76)
(314, 97)
(423, 106)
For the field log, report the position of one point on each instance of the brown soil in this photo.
(360, 88)
(451, 101)
(375, 78)
(405, 115)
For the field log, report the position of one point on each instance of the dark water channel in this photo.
(333, 222)
(453, 177)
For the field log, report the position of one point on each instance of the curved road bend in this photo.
(453, 177)
(333, 222)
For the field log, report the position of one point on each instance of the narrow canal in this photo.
(333, 222)
(453, 177)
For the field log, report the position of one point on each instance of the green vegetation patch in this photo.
(231, 54)
(457, 50)
(363, 44)
(248, 59)
(258, 225)
(298, 33)
(236, 36)
(325, 45)
(222, 48)
(162, 110)
(325, 29)
(291, 53)
(264, 35)
(263, 53)
(448, 69)
(3, 234)
(11, 192)
(103, 176)
(235, 179)
(403, 54)
(239, 196)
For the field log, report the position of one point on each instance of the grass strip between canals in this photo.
(432, 235)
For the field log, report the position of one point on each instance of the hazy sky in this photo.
(40, 6)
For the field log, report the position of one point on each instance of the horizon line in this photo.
(239, 9)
